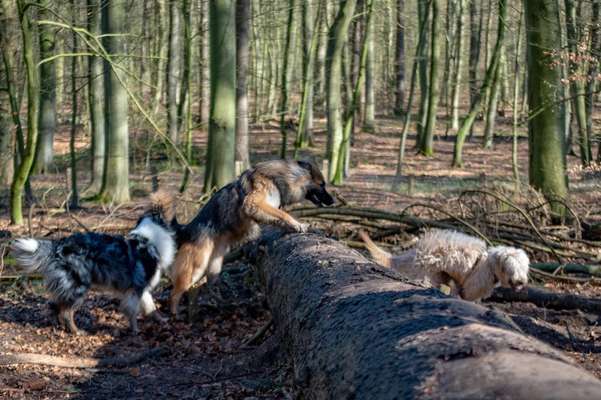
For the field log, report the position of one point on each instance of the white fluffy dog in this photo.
(459, 261)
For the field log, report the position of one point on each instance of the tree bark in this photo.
(488, 80)
(286, 74)
(47, 115)
(400, 58)
(242, 60)
(547, 166)
(458, 68)
(174, 63)
(356, 330)
(427, 137)
(115, 185)
(369, 119)
(33, 107)
(96, 103)
(336, 40)
(222, 120)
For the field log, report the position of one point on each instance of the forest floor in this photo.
(208, 357)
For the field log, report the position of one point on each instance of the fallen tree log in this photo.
(354, 330)
(547, 299)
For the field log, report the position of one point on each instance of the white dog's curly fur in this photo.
(459, 261)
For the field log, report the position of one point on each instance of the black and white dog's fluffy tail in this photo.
(32, 254)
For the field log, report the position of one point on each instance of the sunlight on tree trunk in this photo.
(115, 185)
(222, 121)
(286, 72)
(427, 138)
(336, 39)
(400, 58)
(174, 64)
(47, 116)
(547, 167)
(369, 119)
(242, 60)
(33, 108)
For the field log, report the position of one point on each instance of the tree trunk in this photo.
(475, 29)
(310, 47)
(33, 108)
(458, 68)
(242, 60)
(96, 103)
(222, 120)
(344, 150)
(396, 185)
(427, 137)
(356, 330)
(47, 116)
(488, 80)
(422, 17)
(369, 119)
(593, 71)
(547, 167)
(184, 111)
(163, 39)
(400, 58)
(516, 92)
(336, 40)
(286, 73)
(174, 61)
(491, 110)
(6, 136)
(578, 88)
(115, 185)
(74, 201)
(203, 51)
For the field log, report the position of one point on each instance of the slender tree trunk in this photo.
(407, 120)
(174, 61)
(319, 88)
(203, 81)
(163, 39)
(344, 150)
(115, 184)
(96, 101)
(516, 92)
(474, 61)
(547, 167)
(422, 12)
(491, 111)
(310, 42)
(242, 55)
(74, 201)
(578, 88)
(369, 121)
(47, 116)
(427, 138)
(458, 68)
(184, 111)
(286, 73)
(400, 58)
(6, 136)
(488, 80)
(33, 108)
(222, 121)
(593, 71)
(565, 107)
(336, 40)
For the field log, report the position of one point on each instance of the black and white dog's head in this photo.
(158, 236)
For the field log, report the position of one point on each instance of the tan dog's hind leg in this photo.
(256, 207)
(216, 264)
(190, 266)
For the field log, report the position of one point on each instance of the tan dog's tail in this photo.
(164, 202)
(380, 256)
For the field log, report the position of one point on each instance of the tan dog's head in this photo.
(316, 189)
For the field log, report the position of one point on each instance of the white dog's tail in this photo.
(31, 254)
(380, 256)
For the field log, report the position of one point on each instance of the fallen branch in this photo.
(80, 362)
(547, 299)
(594, 270)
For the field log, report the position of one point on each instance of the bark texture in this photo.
(355, 330)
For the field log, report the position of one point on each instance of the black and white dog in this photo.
(128, 267)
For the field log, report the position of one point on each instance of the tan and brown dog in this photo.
(233, 214)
